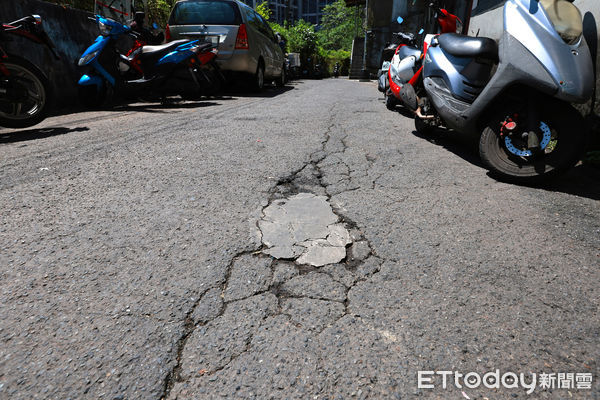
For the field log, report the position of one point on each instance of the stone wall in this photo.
(71, 32)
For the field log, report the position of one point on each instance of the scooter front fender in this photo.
(87, 80)
(570, 66)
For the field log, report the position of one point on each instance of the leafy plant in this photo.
(338, 27)
(331, 43)
(263, 10)
(159, 10)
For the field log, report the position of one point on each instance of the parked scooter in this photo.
(317, 72)
(399, 39)
(25, 92)
(336, 70)
(406, 65)
(182, 67)
(528, 130)
(142, 37)
(146, 36)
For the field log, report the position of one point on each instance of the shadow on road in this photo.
(155, 106)
(464, 146)
(582, 181)
(268, 91)
(152, 106)
(162, 108)
(404, 112)
(33, 134)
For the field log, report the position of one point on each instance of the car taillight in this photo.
(241, 42)
(168, 33)
(205, 58)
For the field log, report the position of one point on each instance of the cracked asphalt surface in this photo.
(132, 265)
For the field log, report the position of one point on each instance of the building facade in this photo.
(312, 10)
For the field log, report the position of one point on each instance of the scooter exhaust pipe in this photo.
(420, 115)
(409, 98)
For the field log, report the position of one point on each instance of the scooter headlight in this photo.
(566, 19)
(105, 29)
(87, 58)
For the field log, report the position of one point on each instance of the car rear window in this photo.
(205, 12)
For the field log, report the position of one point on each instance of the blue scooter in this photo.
(182, 67)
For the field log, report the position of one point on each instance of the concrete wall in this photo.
(382, 22)
(71, 32)
(487, 20)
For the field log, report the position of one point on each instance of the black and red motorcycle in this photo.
(25, 92)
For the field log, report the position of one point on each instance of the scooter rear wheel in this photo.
(562, 138)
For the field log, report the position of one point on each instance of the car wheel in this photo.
(259, 78)
(282, 79)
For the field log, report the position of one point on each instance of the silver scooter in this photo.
(528, 130)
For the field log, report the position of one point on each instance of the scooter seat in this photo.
(163, 48)
(468, 46)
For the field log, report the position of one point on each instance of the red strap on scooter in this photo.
(416, 76)
(111, 8)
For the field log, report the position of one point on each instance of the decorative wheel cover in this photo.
(526, 153)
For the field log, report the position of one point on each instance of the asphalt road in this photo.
(130, 263)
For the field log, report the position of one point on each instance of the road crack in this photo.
(309, 178)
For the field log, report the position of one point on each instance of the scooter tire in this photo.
(423, 127)
(91, 97)
(40, 114)
(563, 152)
(391, 102)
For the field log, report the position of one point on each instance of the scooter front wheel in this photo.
(424, 127)
(391, 102)
(91, 96)
(31, 94)
(561, 134)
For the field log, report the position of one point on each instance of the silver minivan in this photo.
(246, 43)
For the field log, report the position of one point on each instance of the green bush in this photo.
(341, 56)
(159, 11)
(331, 44)
(338, 27)
(263, 10)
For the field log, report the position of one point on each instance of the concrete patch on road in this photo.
(287, 292)
(304, 227)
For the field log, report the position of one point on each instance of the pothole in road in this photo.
(304, 228)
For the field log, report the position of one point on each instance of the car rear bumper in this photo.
(240, 61)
